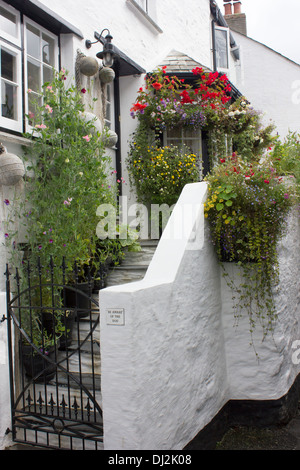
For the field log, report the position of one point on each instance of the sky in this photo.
(274, 23)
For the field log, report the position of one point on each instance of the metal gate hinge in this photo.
(3, 319)
(7, 431)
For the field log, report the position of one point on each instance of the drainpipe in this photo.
(214, 45)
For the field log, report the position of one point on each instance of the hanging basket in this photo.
(90, 117)
(89, 66)
(110, 139)
(106, 75)
(12, 169)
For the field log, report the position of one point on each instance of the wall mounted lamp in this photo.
(108, 54)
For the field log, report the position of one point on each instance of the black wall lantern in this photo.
(108, 54)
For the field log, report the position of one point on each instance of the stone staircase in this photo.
(134, 266)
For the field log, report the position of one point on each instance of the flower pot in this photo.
(77, 297)
(38, 365)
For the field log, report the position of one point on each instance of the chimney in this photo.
(236, 20)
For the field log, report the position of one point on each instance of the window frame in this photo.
(41, 29)
(183, 140)
(17, 46)
(224, 29)
(5, 122)
(13, 40)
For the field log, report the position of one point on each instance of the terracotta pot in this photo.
(237, 7)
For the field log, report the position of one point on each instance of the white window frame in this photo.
(222, 28)
(13, 124)
(183, 140)
(12, 44)
(42, 30)
(15, 40)
(109, 113)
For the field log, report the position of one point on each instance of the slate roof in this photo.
(177, 62)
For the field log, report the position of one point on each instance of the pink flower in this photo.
(41, 126)
(68, 202)
(266, 181)
(83, 90)
(6, 201)
(49, 109)
(86, 137)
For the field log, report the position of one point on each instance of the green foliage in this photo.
(246, 210)
(286, 157)
(160, 173)
(66, 179)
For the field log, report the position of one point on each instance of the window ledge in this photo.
(15, 139)
(143, 15)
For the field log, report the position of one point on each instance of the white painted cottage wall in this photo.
(178, 358)
(271, 82)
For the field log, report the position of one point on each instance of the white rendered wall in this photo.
(163, 373)
(271, 83)
(276, 372)
(173, 358)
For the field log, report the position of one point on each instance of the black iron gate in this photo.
(54, 356)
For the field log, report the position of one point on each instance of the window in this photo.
(222, 48)
(192, 139)
(108, 114)
(40, 57)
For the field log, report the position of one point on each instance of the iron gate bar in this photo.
(35, 413)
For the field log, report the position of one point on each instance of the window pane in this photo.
(34, 101)
(221, 49)
(33, 41)
(8, 22)
(48, 50)
(33, 72)
(8, 66)
(47, 74)
(9, 100)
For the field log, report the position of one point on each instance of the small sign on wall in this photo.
(115, 316)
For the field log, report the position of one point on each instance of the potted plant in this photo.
(38, 348)
(246, 210)
(67, 178)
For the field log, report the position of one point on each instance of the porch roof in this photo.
(177, 62)
(181, 65)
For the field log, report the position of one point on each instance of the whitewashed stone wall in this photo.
(174, 358)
